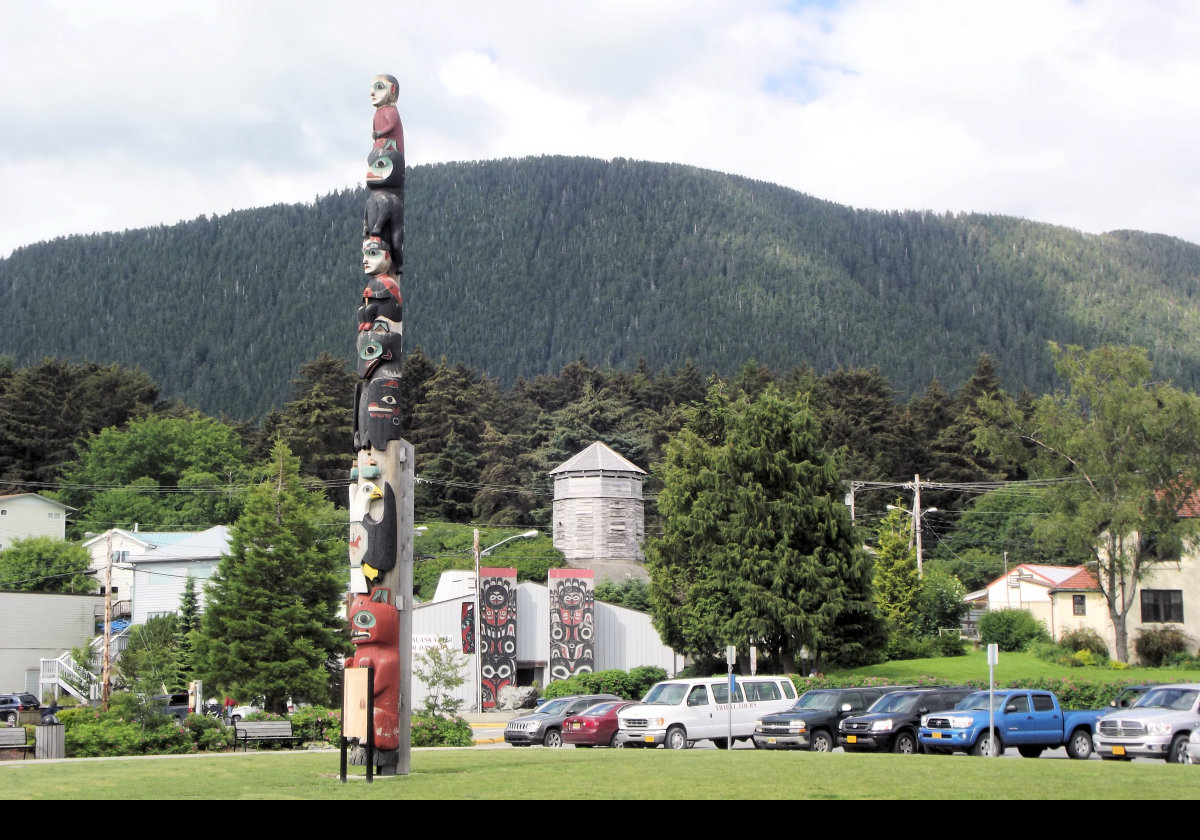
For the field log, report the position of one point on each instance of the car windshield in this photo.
(824, 700)
(667, 694)
(895, 703)
(553, 707)
(1176, 699)
(979, 700)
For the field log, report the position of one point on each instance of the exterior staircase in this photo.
(65, 674)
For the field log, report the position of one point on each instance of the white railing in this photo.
(65, 673)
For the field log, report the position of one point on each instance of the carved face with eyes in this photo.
(376, 259)
(383, 91)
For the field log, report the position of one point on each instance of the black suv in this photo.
(812, 723)
(11, 705)
(175, 705)
(892, 722)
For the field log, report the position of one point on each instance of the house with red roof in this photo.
(1068, 598)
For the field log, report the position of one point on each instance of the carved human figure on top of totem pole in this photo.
(386, 130)
(375, 633)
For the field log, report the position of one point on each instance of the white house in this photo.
(151, 568)
(1061, 597)
(1068, 597)
(30, 515)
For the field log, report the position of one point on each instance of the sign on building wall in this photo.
(497, 632)
(572, 622)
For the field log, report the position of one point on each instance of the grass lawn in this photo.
(567, 774)
(1013, 666)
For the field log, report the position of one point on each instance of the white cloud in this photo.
(124, 114)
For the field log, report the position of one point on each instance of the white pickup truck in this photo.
(1157, 725)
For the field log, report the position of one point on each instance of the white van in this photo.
(679, 712)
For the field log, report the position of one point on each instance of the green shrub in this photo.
(1181, 660)
(1154, 645)
(1050, 652)
(1085, 638)
(1084, 659)
(903, 646)
(631, 685)
(317, 724)
(642, 679)
(1011, 629)
(440, 732)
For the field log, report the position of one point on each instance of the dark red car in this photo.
(595, 726)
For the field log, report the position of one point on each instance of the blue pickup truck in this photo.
(1031, 721)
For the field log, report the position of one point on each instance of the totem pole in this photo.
(382, 476)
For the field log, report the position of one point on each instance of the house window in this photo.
(1162, 605)
(1079, 603)
(56, 515)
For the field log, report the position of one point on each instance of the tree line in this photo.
(517, 268)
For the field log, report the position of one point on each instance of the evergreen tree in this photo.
(271, 624)
(187, 627)
(757, 545)
(318, 424)
(896, 582)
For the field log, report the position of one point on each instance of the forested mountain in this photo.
(517, 267)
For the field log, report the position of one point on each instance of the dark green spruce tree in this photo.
(758, 546)
(271, 624)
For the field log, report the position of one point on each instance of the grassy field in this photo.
(1013, 666)
(568, 774)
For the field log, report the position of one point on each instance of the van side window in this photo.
(762, 691)
(789, 690)
(698, 696)
(721, 693)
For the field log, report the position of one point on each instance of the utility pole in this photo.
(917, 514)
(106, 658)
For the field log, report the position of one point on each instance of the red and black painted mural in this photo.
(467, 627)
(497, 631)
(572, 622)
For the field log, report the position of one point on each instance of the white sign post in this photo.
(993, 656)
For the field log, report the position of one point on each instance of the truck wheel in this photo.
(721, 743)
(984, 746)
(1178, 754)
(1080, 745)
(676, 738)
(905, 744)
(822, 741)
(553, 738)
(1030, 752)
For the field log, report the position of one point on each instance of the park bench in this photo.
(13, 738)
(263, 730)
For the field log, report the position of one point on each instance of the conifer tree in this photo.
(186, 629)
(270, 624)
(897, 584)
(757, 544)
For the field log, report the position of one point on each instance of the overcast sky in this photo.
(119, 114)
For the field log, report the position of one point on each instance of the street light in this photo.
(479, 613)
(916, 515)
